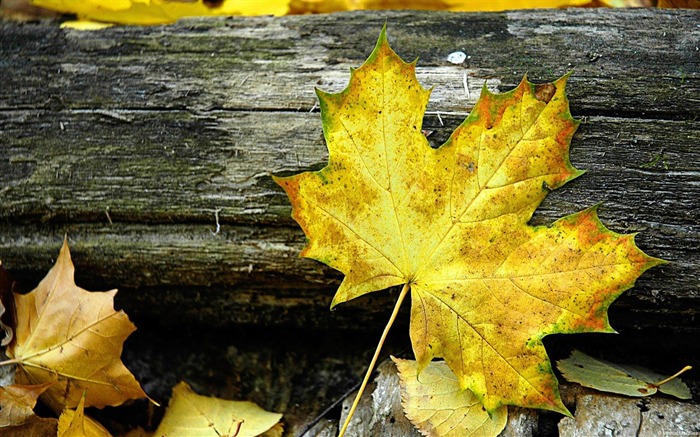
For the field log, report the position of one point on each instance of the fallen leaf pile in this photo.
(67, 346)
(451, 225)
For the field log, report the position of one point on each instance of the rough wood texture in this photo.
(131, 139)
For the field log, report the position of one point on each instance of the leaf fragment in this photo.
(73, 338)
(74, 423)
(437, 406)
(452, 223)
(35, 427)
(17, 403)
(191, 414)
(622, 379)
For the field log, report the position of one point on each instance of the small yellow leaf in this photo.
(437, 406)
(17, 403)
(74, 423)
(74, 337)
(191, 414)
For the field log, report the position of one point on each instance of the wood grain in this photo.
(132, 140)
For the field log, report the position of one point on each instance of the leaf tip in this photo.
(335, 302)
(485, 92)
(524, 81)
(65, 250)
(323, 95)
(382, 41)
(382, 33)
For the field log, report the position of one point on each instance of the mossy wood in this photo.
(137, 141)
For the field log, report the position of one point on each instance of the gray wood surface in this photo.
(131, 140)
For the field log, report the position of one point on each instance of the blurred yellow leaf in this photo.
(191, 414)
(159, 11)
(74, 423)
(168, 11)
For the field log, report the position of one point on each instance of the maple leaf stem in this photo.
(8, 362)
(660, 383)
(399, 301)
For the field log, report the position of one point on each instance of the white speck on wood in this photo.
(456, 57)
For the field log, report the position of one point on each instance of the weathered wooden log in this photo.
(152, 148)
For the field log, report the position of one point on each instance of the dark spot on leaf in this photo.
(643, 391)
(545, 92)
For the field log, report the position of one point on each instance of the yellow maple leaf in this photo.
(74, 423)
(191, 414)
(451, 226)
(72, 337)
(437, 406)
